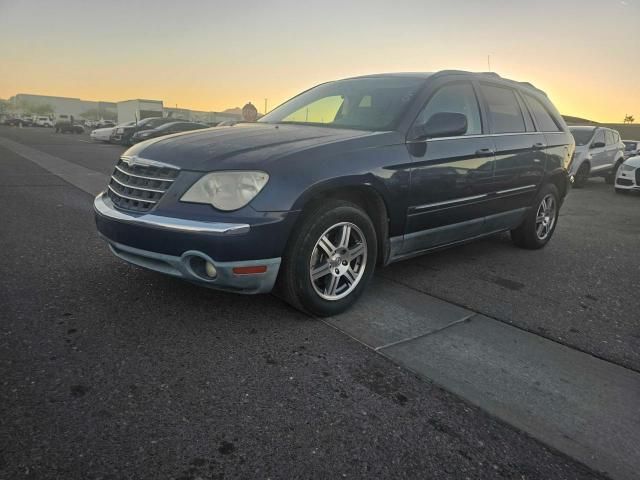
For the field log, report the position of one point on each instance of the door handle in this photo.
(485, 152)
(539, 146)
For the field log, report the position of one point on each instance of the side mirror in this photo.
(442, 124)
(597, 145)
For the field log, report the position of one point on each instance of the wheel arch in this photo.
(366, 196)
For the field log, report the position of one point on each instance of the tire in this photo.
(342, 269)
(540, 221)
(582, 175)
(611, 176)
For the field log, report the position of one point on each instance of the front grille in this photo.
(625, 182)
(139, 187)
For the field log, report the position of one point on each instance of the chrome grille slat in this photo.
(136, 186)
(140, 176)
(140, 186)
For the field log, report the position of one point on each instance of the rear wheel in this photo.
(582, 175)
(541, 220)
(329, 260)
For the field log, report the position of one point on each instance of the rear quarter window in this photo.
(544, 120)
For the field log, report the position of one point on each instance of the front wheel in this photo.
(540, 221)
(582, 175)
(611, 176)
(329, 260)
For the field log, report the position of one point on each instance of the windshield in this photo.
(582, 135)
(630, 146)
(373, 103)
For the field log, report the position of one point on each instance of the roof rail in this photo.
(493, 75)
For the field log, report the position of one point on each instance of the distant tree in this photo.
(629, 119)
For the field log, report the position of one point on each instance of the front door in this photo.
(598, 151)
(451, 178)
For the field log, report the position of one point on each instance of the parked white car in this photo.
(104, 134)
(599, 152)
(628, 176)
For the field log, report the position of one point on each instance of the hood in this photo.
(633, 161)
(139, 133)
(238, 147)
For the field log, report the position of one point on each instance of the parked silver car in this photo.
(631, 148)
(599, 153)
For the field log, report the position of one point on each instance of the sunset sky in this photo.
(213, 55)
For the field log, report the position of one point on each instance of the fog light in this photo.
(210, 270)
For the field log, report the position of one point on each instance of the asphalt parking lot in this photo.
(110, 371)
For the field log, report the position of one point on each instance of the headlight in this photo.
(227, 190)
(627, 168)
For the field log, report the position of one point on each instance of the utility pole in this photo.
(489, 62)
(265, 106)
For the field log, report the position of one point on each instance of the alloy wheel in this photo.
(546, 217)
(338, 261)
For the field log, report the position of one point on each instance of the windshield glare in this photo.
(582, 135)
(363, 103)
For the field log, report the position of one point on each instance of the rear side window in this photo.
(544, 120)
(503, 109)
(455, 98)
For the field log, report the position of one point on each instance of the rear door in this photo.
(520, 156)
(451, 178)
(558, 153)
(611, 148)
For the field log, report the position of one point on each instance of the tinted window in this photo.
(504, 110)
(582, 135)
(630, 146)
(456, 98)
(544, 120)
(609, 137)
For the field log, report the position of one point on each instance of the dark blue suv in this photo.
(346, 176)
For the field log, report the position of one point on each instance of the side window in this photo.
(609, 137)
(599, 137)
(455, 98)
(544, 120)
(503, 109)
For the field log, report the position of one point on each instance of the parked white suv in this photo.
(599, 153)
(43, 122)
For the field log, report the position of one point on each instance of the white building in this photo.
(133, 110)
(22, 103)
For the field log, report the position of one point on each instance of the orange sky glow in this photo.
(210, 55)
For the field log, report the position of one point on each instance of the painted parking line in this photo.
(81, 177)
(583, 406)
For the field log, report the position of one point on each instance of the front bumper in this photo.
(182, 248)
(627, 180)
